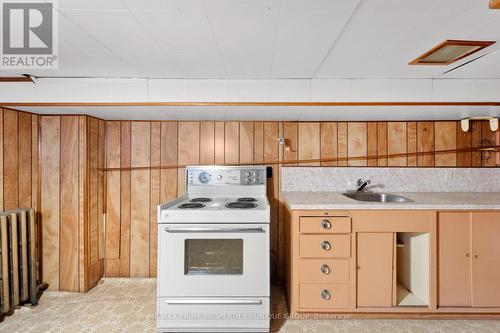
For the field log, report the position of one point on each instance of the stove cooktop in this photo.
(219, 203)
(200, 200)
(241, 205)
(191, 205)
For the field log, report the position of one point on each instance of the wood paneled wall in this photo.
(53, 163)
(19, 169)
(72, 201)
(133, 196)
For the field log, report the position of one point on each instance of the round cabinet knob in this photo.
(467, 255)
(326, 246)
(326, 224)
(476, 256)
(325, 294)
(325, 269)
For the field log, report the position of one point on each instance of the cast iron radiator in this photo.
(20, 279)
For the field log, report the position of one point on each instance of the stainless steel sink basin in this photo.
(376, 197)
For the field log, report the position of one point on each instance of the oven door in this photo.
(213, 260)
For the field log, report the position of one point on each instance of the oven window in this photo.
(213, 256)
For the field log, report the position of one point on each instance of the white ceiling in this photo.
(279, 113)
(268, 38)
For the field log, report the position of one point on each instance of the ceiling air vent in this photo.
(450, 51)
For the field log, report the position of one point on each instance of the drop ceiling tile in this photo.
(445, 90)
(249, 90)
(127, 90)
(92, 4)
(173, 64)
(186, 42)
(302, 42)
(177, 30)
(114, 29)
(289, 90)
(208, 90)
(51, 90)
(370, 90)
(489, 29)
(89, 63)
(164, 4)
(318, 4)
(71, 36)
(168, 90)
(487, 90)
(483, 90)
(150, 62)
(230, 5)
(245, 33)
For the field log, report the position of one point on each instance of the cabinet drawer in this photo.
(325, 224)
(324, 296)
(324, 271)
(325, 246)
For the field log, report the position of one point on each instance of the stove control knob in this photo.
(256, 174)
(248, 180)
(247, 174)
(204, 177)
(219, 177)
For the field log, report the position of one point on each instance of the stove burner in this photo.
(247, 199)
(191, 205)
(241, 205)
(200, 200)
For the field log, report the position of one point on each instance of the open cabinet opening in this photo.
(412, 269)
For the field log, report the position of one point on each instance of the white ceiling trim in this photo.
(271, 113)
(252, 90)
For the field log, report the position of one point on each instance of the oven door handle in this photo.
(231, 301)
(213, 230)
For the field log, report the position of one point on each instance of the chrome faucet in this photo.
(361, 184)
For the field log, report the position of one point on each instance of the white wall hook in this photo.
(465, 123)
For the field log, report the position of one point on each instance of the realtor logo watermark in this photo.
(29, 35)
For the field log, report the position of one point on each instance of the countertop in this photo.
(421, 200)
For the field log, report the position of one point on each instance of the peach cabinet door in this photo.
(374, 269)
(454, 259)
(485, 259)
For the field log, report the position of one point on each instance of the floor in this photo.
(128, 305)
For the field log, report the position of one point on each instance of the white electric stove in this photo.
(213, 253)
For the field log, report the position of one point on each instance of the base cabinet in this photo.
(374, 269)
(485, 259)
(468, 259)
(393, 261)
(454, 259)
(324, 296)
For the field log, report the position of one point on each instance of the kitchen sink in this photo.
(376, 197)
